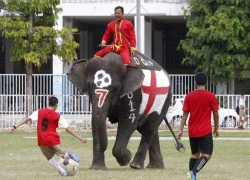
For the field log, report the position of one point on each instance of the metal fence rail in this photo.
(74, 106)
(77, 110)
(227, 104)
(185, 83)
(43, 84)
(47, 84)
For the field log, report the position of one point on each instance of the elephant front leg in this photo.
(120, 151)
(100, 143)
(127, 124)
(98, 157)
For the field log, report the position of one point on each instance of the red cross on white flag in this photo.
(155, 89)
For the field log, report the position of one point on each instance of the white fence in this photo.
(76, 108)
(46, 84)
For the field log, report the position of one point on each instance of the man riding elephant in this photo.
(124, 37)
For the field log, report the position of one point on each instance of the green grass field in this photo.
(21, 159)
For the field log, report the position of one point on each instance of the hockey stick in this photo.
(178, 145)
(106, 45)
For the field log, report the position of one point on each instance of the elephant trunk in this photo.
(99, 133)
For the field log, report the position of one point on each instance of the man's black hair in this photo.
(53, 101)
(201, 78)
(119, 7)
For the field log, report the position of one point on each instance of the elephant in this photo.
(136, 97)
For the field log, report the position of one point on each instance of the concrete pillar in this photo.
(221, 88)
(148, 37)
(57, 72)
(140, 37)
(57, 62)
(231, 86)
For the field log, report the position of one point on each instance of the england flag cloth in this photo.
(155, 88)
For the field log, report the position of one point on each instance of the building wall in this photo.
(106, 7)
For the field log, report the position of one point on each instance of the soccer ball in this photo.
(70, 166)
(102, 79)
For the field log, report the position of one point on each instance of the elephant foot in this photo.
(98, 167)
(155, 166)
(123, 163)
(136, 165)
(124, 158)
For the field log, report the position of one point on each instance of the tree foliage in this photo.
(218, 38)
(30, 24)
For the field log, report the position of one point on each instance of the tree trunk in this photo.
(29, 84)
(29, 87)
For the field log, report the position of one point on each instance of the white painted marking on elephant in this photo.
(131, 106)
(102, 96)
(147, 62)
(132, 114)
(130, 95)
(136, 61)
(155, 89)
(102, 79)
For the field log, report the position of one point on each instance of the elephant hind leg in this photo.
(136, 166)
(138, 161)
(155, 156)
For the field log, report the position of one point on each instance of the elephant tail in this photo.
(179, 146)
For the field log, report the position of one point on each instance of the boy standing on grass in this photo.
(48, 140)
(200, 103)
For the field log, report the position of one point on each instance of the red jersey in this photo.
(200, 104)
(46, 127)
(126, 27)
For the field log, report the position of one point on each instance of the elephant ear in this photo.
(131, 81)
(78, 75)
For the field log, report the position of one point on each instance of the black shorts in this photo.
(202, 144)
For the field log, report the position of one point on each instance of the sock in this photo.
(66, 156)
(192, 163)
(54, 163)
(200, 164)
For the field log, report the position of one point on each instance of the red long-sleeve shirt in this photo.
(126, 27)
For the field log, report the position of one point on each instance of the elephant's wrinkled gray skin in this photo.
(123, 98)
